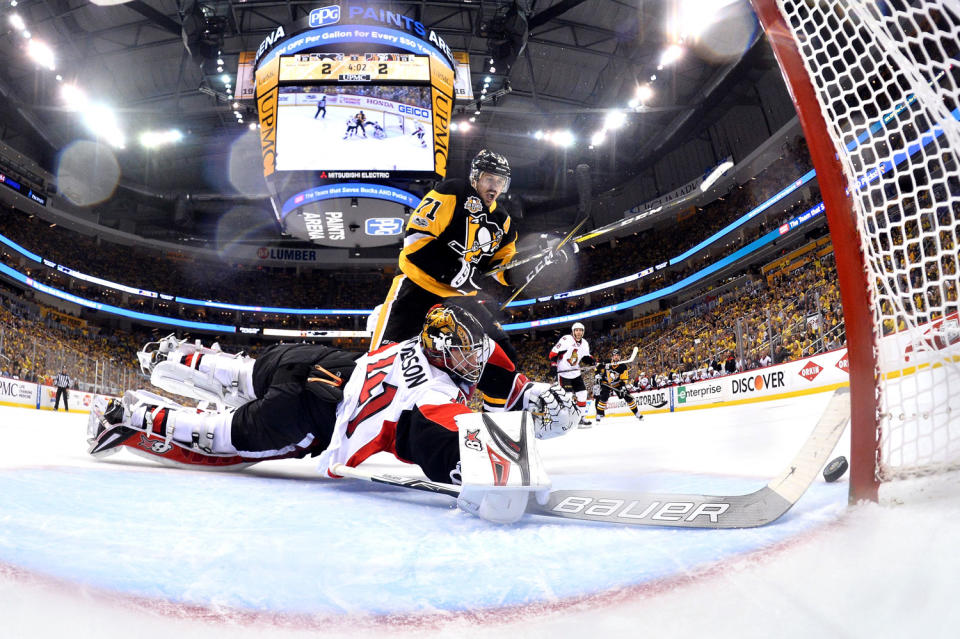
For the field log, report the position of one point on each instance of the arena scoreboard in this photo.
(352, 68)
(357, 94)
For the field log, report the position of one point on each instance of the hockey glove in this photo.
(587, 360)
(553, 370)
(554, 411)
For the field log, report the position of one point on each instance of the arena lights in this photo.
(598, 138)
(99, 118)
(17, 22)
(563, 138)
(75, 98)
(155, 139)
(41, 54)
(693, 17)
(102, 121)
(670, 55)
(614, 120)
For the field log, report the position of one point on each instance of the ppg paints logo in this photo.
(750, 384)
(325, 15)
(384, 226)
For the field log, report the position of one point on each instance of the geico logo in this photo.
(324, 15)
(412, 110)
(769, 380)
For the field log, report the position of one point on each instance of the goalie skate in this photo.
(135, 422)
(201, 373)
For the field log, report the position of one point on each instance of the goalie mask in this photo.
(489, 162)
(454, 340)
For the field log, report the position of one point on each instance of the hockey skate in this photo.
(113, 422)
(104, 415)
(585, 423)
(139, 423)
(201, 373)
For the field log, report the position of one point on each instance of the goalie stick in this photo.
(678, 510)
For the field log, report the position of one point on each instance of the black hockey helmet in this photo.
(615, 353)
(454, 340)
(487, 161)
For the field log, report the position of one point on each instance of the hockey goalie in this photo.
(408, 399)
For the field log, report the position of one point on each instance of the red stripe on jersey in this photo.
(384, 442)
(500, 358)
(382, 348)
(516, 393)
(192, 360)
(443, 414)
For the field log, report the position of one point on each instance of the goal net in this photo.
(393, 123)
(875, 83)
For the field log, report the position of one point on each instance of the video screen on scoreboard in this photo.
(347, 112)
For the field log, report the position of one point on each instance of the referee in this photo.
(62, 382)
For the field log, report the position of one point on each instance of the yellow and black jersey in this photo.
(616, 375)
(452, 238)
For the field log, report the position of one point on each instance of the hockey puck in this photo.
(835, 469)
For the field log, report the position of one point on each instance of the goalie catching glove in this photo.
(554, 410)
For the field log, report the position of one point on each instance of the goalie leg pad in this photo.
(218, 378)
(499, 465)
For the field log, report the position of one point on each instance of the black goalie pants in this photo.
(283, 413)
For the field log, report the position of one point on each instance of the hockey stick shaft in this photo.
(425, 485)
(543, 265)
(583, 206)
(677, 510)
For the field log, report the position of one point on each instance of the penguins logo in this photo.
(482, 238)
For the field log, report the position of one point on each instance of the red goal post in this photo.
(877, 95)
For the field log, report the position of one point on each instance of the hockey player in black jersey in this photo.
(456, 234)
(615, 377)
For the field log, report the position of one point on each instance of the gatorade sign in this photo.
(773, 379)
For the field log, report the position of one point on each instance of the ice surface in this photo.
(125, 547)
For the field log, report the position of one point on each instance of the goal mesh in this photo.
(886, 76)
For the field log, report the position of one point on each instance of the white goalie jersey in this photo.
(568, 353)
(385, 384)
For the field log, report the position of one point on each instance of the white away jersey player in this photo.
(569, 352)
(387, 383)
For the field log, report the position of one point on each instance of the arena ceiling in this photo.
(573, 61)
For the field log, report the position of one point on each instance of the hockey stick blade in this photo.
(671, 509)
(707, 511)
